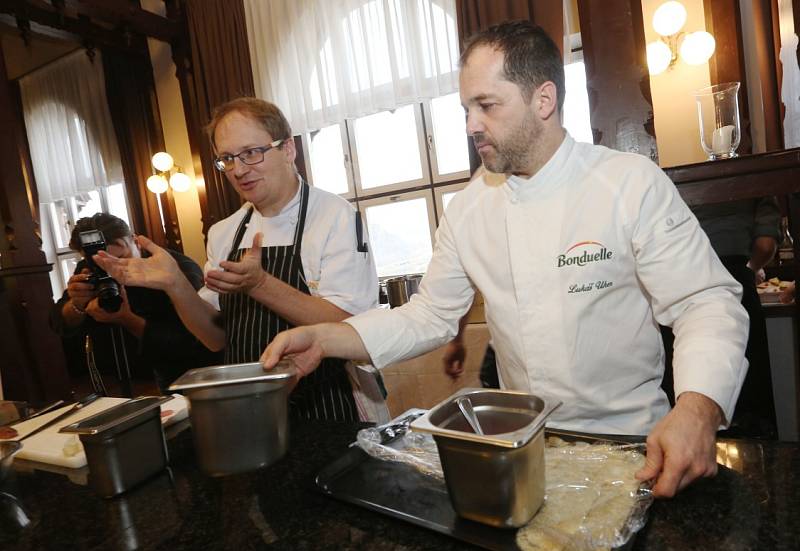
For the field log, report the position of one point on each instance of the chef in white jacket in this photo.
(580, 252)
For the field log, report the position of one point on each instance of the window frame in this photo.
(424, 180)
(305, 138)
(426, 194)
(436, 176)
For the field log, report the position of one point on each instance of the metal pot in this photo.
(496, 478)
(401, 288)
(124, 445)
(239, 415)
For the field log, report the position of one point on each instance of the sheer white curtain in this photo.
(72, 142)
(322, 61)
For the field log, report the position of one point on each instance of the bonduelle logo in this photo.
(588, 252)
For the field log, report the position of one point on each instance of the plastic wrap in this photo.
(592, 499)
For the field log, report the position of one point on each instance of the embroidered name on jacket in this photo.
(589, 253)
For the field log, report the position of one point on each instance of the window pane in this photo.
(388, 148)
(400, 236)
(117, 202)
(68, 264)
(327, 160)
(87, 204)
(59, 219)
(449, 134)
(576, 103)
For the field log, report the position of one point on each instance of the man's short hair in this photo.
(113, 228)
(531, 56)
(265, 113)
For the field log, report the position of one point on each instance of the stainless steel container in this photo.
(124, 445)
(401, 288)
(238, 414)
(497, 478)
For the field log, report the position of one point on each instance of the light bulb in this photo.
(180, 181)
(163, 161)
(658, 57)
(669, 18)
(697, 47)
(157, 183)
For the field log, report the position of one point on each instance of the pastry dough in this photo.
(590, 497)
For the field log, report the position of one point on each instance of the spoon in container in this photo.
(465, 405)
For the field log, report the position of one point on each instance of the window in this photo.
(58, 219)
(403, 167)
(399, 229)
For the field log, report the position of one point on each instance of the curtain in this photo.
(72, 142)
(134, 111)
(323, 62)
(479, 15)
(215, 68)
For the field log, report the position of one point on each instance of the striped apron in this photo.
(249, 326)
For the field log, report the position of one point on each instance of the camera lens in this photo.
(108, 295)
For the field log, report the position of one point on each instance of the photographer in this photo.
(135, 333)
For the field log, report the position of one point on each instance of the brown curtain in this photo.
(134, 112)
(478, 15)
(213, 67)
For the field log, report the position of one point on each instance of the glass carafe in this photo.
(718, 112)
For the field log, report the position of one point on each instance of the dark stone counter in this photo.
(754, 503)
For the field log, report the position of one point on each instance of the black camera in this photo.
(106, 286)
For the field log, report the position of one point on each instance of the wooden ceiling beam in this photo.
(80, 26)
(107, 18)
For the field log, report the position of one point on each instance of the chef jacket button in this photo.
(670, 222)
(293, 221)
(514, 200)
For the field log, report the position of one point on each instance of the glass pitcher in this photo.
(718, 111)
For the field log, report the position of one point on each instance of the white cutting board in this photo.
(48, 445)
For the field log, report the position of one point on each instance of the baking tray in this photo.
(400, 491)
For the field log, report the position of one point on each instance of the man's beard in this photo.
(513, 153)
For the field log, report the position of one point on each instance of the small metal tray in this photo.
(400, 491)
(220, 375)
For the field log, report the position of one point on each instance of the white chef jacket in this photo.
(577, 266)
(333, 268)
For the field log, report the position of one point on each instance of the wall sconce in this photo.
(693, 48)
(168, 175)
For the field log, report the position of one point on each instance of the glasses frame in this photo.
(221, 160)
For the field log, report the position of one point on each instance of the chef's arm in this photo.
(199, 317)
(294, 306)
(455, 354)
(307, 346)
(161, 271)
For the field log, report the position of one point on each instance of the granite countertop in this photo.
(752, 504)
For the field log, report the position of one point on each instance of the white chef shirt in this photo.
(333, 268)
(577, 266)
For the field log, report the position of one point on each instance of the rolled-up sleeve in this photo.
(692, 292)
(430, 319)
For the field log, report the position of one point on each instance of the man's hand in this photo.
(242, 276)
(307, 346)
(454, 356)
(124, 317)
(301, 344)
(158, 271)
(682, 446)
(79, 291)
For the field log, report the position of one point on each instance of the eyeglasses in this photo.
(251, 156)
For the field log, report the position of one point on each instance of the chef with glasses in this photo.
(290, 256)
